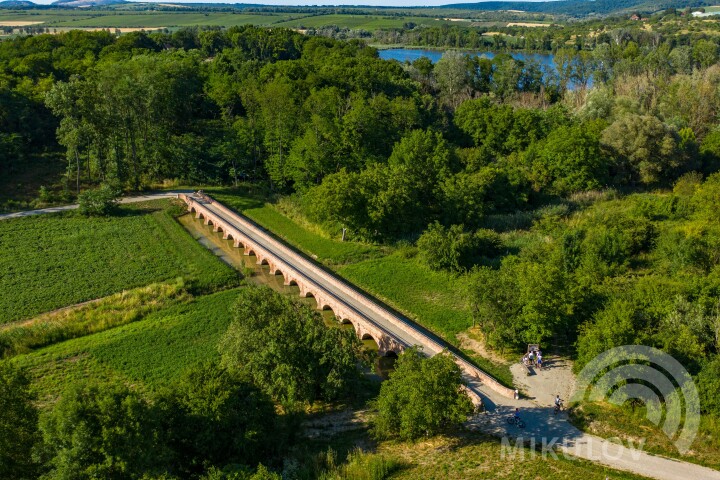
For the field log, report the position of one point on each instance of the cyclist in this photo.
(558, 403)
(516, 415)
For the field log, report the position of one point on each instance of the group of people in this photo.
(533, 358)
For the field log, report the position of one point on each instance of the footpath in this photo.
(546, 431)
(65, 208)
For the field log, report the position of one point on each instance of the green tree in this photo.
(705, 53)
(614, 326)
(211, 417)
(454, 249)
(452, 75)
(18, 425)
(100, 431)
(422, 397)
(569, 160)
(646, 146)
(287, 350)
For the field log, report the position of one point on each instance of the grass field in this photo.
(52, 261)
(158, 19)
(364, 22)
(146, 354)
(164, 19)
(433, 299)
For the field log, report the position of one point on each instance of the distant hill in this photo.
(86, 3)
(16, 4)
(581, 8)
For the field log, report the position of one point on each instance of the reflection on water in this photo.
(260, 275)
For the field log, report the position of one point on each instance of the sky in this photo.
(384, 3)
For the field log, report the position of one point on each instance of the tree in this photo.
(645, 144)
(212, 417)
(451, 73)
(705, 53)
(454, 249)
(18, 425)
(569, 160)
(422, 397)
(287, 350)
(100, 431)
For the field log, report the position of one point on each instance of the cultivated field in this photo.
(52, 261)
(155, 19)
(146, 354)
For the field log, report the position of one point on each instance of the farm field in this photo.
(163, 19)
(364, 22)
(146, 354)
(64, 259)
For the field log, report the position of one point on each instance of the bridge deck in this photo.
(330, 287)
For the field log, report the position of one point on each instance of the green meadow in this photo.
(52, 261)
(146, 354)
(164, 19)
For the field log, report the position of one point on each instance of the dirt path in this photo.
(65, 208)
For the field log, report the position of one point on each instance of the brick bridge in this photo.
(371, 320)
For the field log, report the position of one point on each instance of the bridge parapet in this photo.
(386, 341)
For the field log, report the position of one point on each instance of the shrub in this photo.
(453, 249)
(98, 202)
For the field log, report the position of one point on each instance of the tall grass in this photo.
(145, 354)
(89, 318)
(359, 466)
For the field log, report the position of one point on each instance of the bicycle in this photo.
(513, 420)
(558, 407)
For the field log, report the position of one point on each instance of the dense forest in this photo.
(607, 163)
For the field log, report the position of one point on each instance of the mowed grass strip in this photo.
(324, 249)
(52, 261)
(146, 355)
(433, 299)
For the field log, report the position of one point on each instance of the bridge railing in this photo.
(434, 346)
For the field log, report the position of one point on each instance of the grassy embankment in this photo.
(464, 456)
(435, 300)
(612, 422)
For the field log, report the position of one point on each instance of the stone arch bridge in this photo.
(370, 319)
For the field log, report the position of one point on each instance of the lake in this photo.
(545, 60)
(411, 54)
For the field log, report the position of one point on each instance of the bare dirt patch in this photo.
(527, 24)
(469, 340)
(555, 378)
(325, 426)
